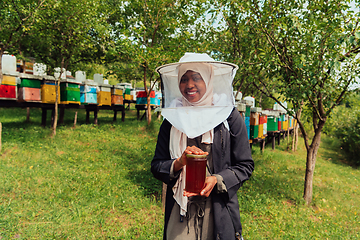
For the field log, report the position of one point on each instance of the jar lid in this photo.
(196, 155)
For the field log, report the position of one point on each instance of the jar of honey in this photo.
(195, 172)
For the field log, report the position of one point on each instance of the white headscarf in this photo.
(178, 140)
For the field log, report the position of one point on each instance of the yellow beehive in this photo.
(261, 131)
(128, 97)
(286, 125)
(117, 91)
(48, 93)
(9, 80)
(104, 98)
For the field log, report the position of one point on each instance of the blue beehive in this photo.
(247, 124)
(88, 93)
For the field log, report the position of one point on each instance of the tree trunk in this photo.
(56, 104)
(57, 97)
(296, 131)
(310, 163)
(148, 111)
(296, 136)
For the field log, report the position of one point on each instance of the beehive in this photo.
(104, 95)
(48, 90)
(272, 124)
(158, 97)
(247, 124)
(254, 118)
(69, 92)
(29, 88)
(8, 87)
(261, 131)
(88, 92)
(141, 97)
(254, 131)
(117, 95)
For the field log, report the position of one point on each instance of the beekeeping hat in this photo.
(196, 119)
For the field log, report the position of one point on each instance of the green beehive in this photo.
(272, 124)
(64, 85)
(248, 110)
(30, 83)
(127, 91)
(70, 94)
(254, 131)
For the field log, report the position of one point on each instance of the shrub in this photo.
(349, 135)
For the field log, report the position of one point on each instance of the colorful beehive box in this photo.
(261, 131)
(127, 94)
(142, 99)
(29, 88)
(69, 92)
(263, 121)
(254, 131)
(248, 111)
(9, 80)
(158, 98)
(104, 95)
(117, 95)
(88, 92)
(279, 124)
(48, 90)
(272, 124)
(247, 124)
(8, 87)
(254, 118)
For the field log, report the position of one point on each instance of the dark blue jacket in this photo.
(231, 159)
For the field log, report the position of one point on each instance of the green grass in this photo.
(94, 182)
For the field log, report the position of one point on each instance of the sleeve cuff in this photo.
(174, 175)
(221, 187)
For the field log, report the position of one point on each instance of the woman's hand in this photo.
(210, 183)
(181, 161)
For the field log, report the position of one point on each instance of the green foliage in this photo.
(349, 136)
(67, 32)
(345, 126)
(151, 33)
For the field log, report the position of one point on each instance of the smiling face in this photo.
(192, 86)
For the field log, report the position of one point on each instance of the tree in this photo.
(304, 50)
(17, 18)
(151, 33)
(68, 32)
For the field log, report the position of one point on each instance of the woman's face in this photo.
(192, 86)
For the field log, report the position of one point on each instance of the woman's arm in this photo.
(161, 163)
(241, 162)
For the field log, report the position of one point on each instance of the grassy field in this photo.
(94, 182)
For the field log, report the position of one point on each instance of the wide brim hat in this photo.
(224, 74)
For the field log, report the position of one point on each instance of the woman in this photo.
(200, 118)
